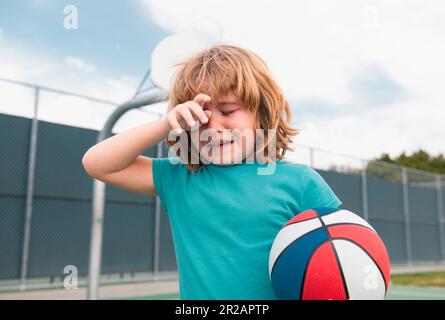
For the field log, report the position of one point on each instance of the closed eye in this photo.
(227, 113)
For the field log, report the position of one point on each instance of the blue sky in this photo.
(363, 77)
(116, 36)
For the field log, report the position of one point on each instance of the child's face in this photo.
(229, 121)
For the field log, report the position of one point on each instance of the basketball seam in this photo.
(330, 239)
(333, 224)
(345, 287)
(307, 219)
(367, 253)
(306, 269)
(284, 249)
(322, 224)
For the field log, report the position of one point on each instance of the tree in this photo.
(418, 160)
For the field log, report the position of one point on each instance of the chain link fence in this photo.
(45, 197)
(404, 205)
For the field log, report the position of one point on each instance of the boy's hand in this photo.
(183, 116)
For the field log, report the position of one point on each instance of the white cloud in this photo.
(315, 51)
(19, 62)
(80, 64)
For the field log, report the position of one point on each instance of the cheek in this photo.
(246, 125)
(244, 121)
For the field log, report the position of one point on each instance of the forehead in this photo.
(229, 98)
(225, 99)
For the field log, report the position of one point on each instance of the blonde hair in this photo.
(228, 68)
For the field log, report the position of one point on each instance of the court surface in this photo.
(168, 290)
(394, 293)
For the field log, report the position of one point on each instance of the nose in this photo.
(215, 123)
(216, 127)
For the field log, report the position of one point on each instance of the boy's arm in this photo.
(118, 160)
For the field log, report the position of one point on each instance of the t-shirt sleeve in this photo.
(165, 171)
(317, 193)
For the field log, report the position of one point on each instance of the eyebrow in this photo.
(222, 103)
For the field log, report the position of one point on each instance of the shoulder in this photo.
(296, 173)
(295, 167)
(305, 173)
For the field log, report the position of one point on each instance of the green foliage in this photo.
(418, 160)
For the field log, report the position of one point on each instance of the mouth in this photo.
(220, 144)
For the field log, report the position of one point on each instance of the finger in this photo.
(208, 113)
(199, 112)
(174, 123)
(201, 98)
(187, 115)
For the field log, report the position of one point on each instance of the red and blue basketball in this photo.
(328, 254)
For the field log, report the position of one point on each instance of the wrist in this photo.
(165, 126)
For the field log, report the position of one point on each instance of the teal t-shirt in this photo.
(224, 220)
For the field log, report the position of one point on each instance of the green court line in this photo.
(398, 292)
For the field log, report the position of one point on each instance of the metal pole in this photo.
(153, 96)
(96, 239)
(29, 192)
(406, 217)
(146, 75)
(440, 216)
(365, 191)
(157, 231)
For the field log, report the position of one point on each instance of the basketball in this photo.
(328, 254)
